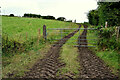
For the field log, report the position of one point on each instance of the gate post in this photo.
(44, 32)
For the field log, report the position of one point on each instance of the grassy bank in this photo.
(22, 62)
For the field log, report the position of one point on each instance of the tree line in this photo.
(43, 17)
(106, 12)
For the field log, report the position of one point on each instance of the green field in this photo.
(16, 26)
(22, 33)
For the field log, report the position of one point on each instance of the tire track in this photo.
(92, 67)
(47, 67)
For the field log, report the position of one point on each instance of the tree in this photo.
(106, 12)
(11, 15)
(110, 12)
(48, 17)
(61, 18)
(93, 17)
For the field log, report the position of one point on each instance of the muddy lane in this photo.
(92, 67)
(47, 67)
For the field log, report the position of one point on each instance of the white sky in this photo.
(70, 9)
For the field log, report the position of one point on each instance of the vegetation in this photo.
(110, 12)
(61, 18)
(106, 11)
(108, 39)
(69, 21)
(11, 15)
(93, 17)
(48, 17)
(22, 62)
(38, 16)
(32, 15)
(111, 58)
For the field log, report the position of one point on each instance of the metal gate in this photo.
(64, 31)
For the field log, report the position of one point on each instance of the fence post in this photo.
(61, 33)
(26, 35)
(117, 32)
(39, 35)
(44, 32)
(106, 24)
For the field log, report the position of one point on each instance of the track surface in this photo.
(47, 67)
(92, 67)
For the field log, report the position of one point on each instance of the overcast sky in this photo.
(70, 9)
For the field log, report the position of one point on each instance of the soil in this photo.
(92, 67)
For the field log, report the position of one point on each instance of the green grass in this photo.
(15, 27)
(110, 57)
(69, 55)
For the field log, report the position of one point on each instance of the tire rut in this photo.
(92, 67)
(47, 67)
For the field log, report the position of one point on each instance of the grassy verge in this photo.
(110, 57)
(20, 63)
(69, 56)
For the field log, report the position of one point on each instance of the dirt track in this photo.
(49, 65)
(92, 67)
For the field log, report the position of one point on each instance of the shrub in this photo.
(107, 38)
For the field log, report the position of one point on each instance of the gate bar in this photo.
(72, 28)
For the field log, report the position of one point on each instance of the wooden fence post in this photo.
(26, 35)
(106, 24)
(117, 32)
(44, 32)
(39, 35)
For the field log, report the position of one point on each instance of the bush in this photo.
(12, 47)
(107, 38)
